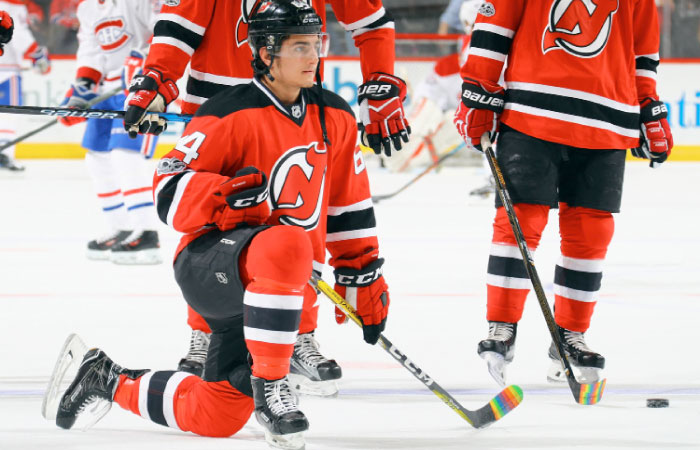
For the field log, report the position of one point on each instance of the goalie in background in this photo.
(434, 102)
(16, 43)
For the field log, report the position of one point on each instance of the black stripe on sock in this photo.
(156, 388)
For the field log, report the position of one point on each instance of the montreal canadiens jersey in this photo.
(109, 31)
(22, 43)
(577, 69)
(212, 36)
(322, 188)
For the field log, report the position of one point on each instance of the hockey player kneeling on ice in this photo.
(571, 109)
(118, 166)
(264, 180)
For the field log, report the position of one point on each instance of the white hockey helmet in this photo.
(468, 12)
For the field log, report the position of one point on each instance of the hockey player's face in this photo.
(297, 60)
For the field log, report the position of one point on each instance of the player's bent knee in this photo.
(532, 220)
(282, 253)
(585, 232)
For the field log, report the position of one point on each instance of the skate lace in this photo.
(279, 397)
(306, 350)
(575, 339)
(500, 331)
(199, 346)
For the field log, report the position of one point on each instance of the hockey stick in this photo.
(508, 399)
(584, 393)
(84, 113)
(51, 123)
(378, 198)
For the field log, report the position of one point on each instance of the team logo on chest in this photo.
(297, 181)
(111, 34)
(579, 27)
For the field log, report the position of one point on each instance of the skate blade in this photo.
(291, 441)
(144, 257)
(92, 414)
(302, 385)
(97, 255)
(496, 364)
(583, 375)
(69, 359)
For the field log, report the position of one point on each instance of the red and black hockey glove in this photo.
(478, 111)
(148, 92)
(655, 138)
(7, 26)
(381, 112)
(78, 96)
(366, 290)
(245, 200)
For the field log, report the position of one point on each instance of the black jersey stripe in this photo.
(166, 28)
(644, 63)
(488, 40)
(205, 89)
(271, 319)
(575, 279)
(386, 18)
(574, 107)
(506, 267)
(156, 388)
(166, 196)
(351, 221)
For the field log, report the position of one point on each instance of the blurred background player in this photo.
(113, 39)
(573, 104)
(12, 53)
(248, 247)
(200, 32)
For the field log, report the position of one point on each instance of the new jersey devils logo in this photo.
(296, 186)
(579, 27)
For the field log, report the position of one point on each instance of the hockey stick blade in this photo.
(83, 113)
(584, 393)
(378, 198)
(506, 401)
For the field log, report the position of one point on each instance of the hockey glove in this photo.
(7, 26)
(148, 92)
(78, 96)
(41, 63)
(655, 138)
(133, 65)
(478, 111)
(381, 112)
(245, 200)
(366, 290)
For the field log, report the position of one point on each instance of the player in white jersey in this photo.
(22, 46)
(113, 39)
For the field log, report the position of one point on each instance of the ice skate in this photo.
(277, 411)
(99, 249)
(10, 164)
(486, 190)
(89, 397)
(69, 359)
(498, 349)
(586, 363)
(141, 247)
(194, 361)
(311, 373)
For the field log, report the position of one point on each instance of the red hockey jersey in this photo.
(214, 33)
(576, 69)
(323, 189)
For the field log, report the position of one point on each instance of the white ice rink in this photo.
(435, 240)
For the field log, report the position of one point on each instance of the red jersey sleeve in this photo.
(646, 47)
(351, 229)
(372, 30)
(189, 176)
(491, 39)
(177, 34)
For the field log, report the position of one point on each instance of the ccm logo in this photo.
(483, 99)
(359, 280)
(374, 89)
(659, 109)
(247, 202)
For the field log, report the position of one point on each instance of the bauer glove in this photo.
(655, 138)
(381, 112)
(366, 290)
(7, 26)
(78, 96)
(148, 92)
(478, 111)
(245, 198)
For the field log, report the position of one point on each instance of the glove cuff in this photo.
(652, 110)
(349, 277)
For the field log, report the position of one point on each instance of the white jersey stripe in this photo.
(169, 396)
(646, 73)
(359, 206)
(189, 98)
(143, 395)
(490, 54)
(272, 337)
(575, 294)
(577, 120)
(193, 27)
(181, 185)
(292, 302)
(508, 282)
(573, 93)
(361, 31)
(581, 265)
(354, 234)
(218, 79)
(654, 56)
(174, 42)
(364, 21)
